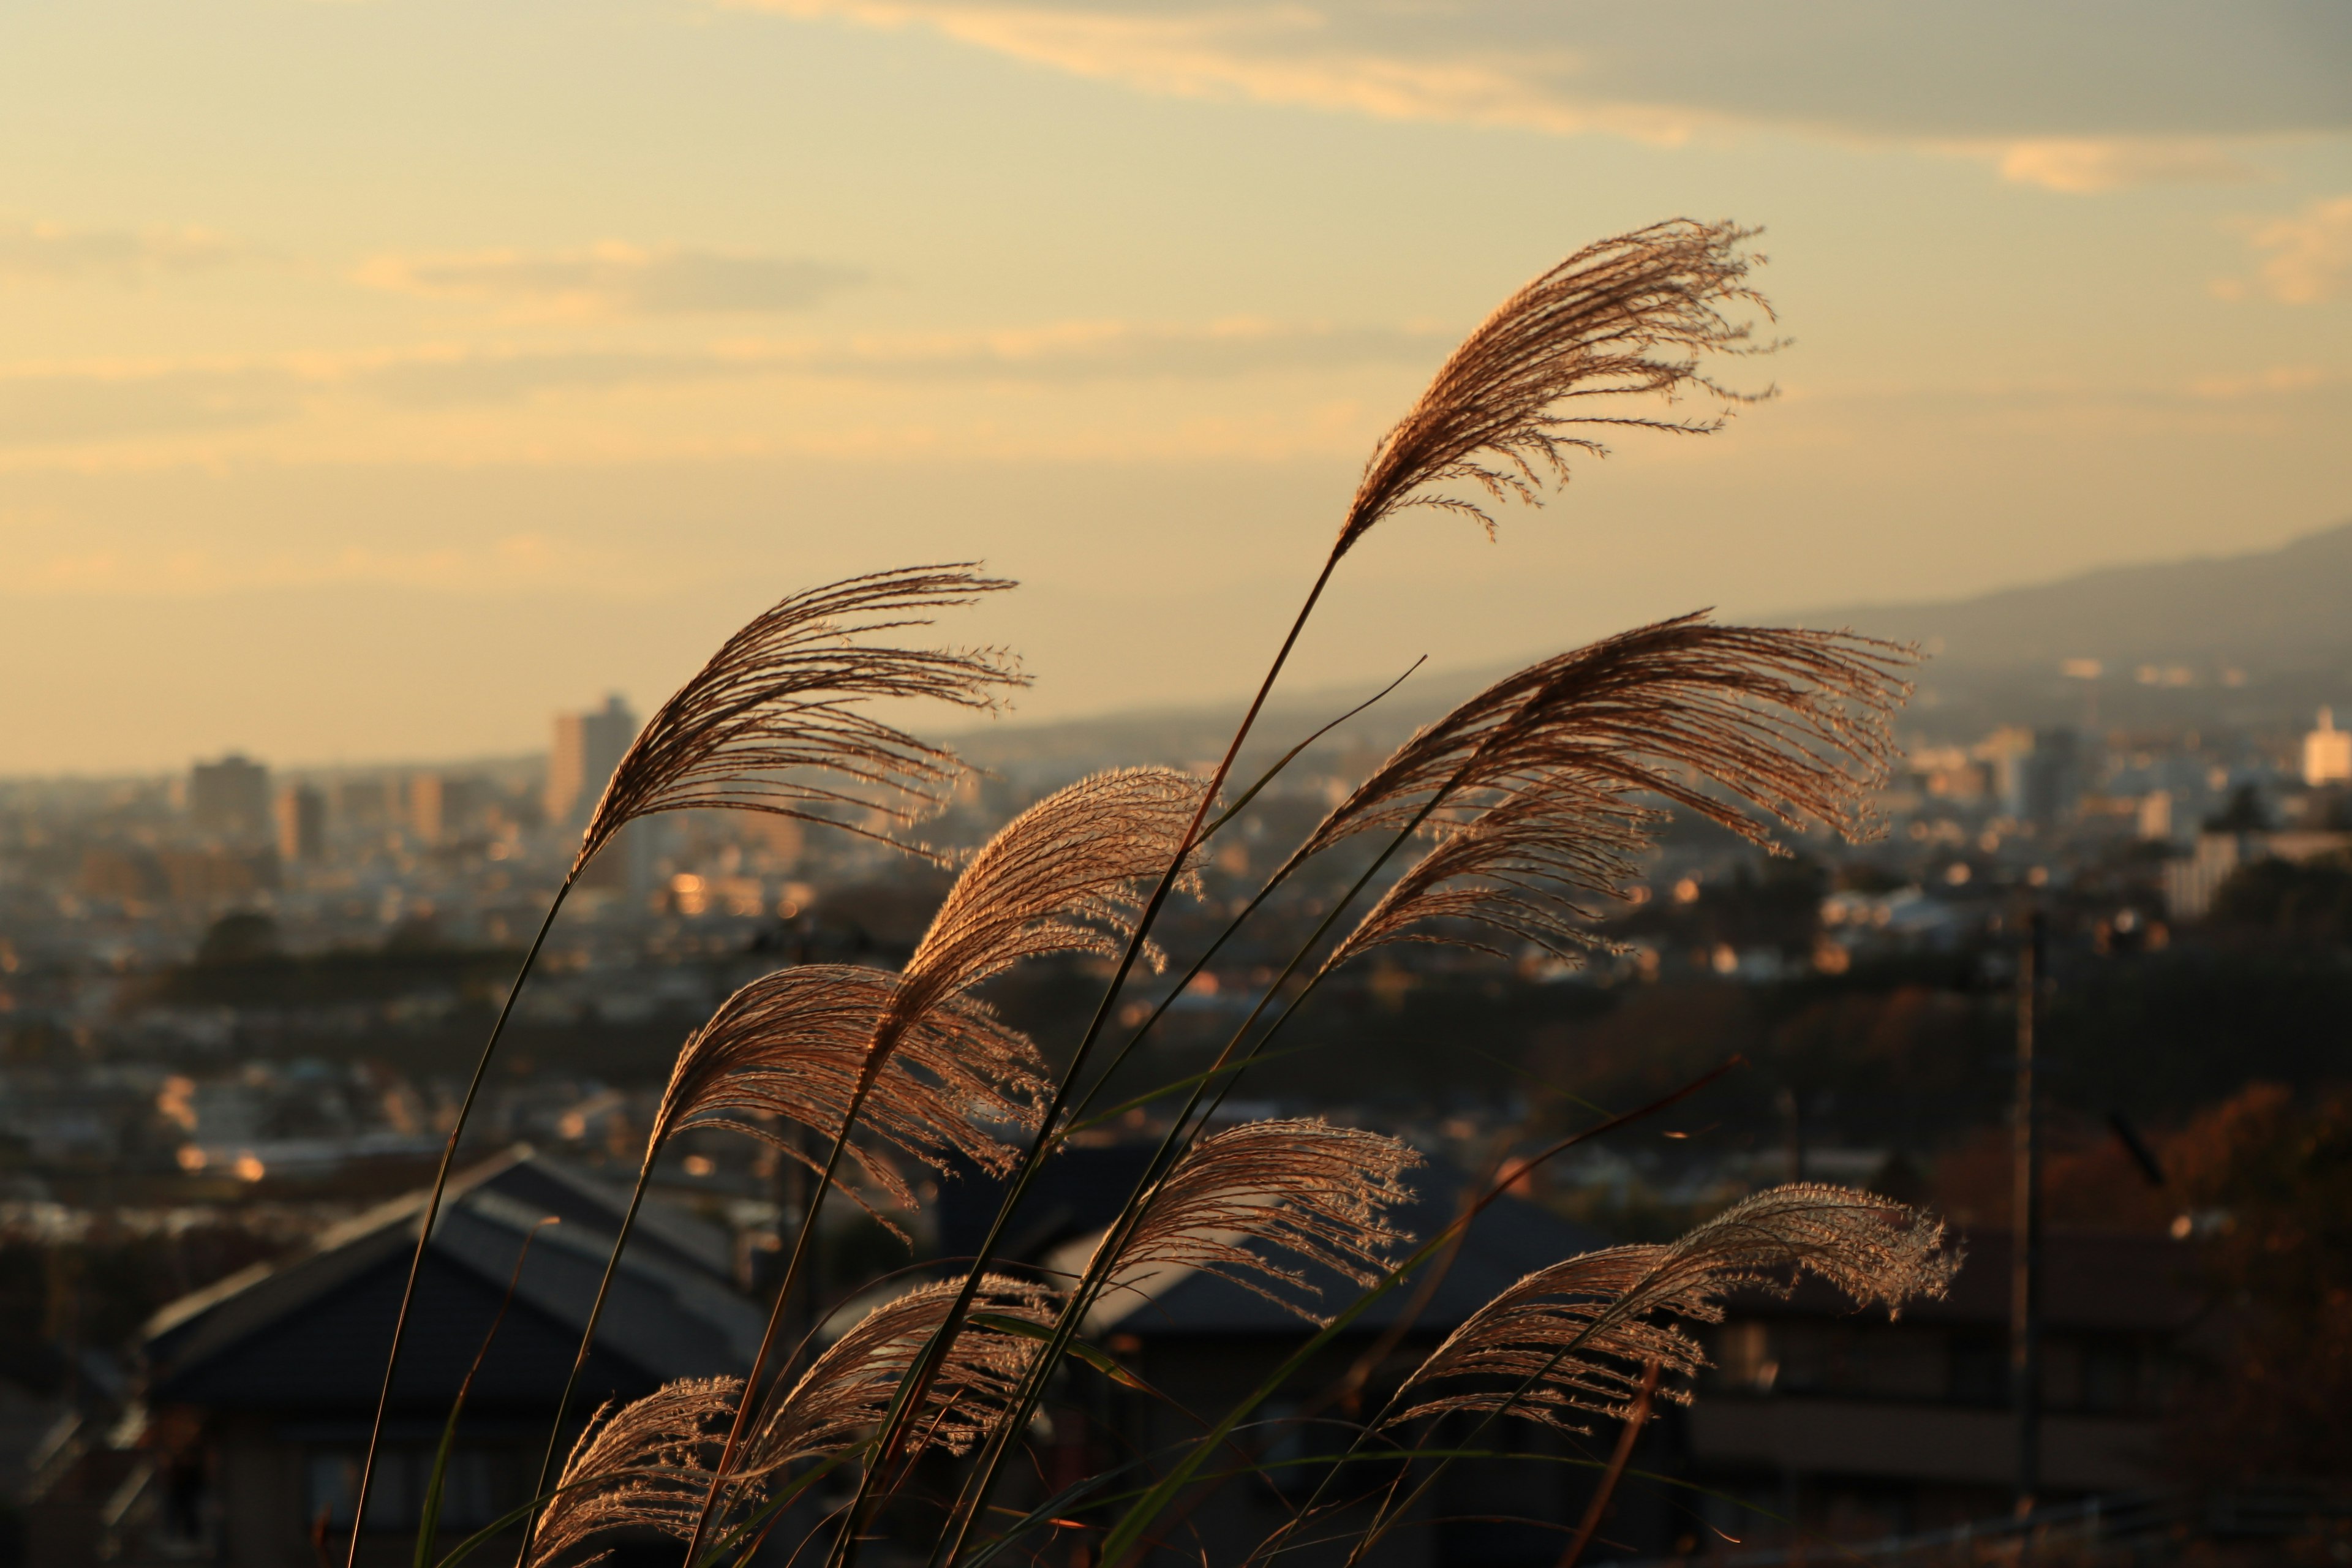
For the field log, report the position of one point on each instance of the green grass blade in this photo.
(428, 1520)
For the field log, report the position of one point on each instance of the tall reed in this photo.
(1512, 822)
(770, 723)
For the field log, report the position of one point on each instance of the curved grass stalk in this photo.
(433, 1213)
(1177, 1137)
(1628, 315)
(912, 1390)
(801, 1244)
(588, 1335)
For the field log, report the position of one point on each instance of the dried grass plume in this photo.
(848, 1388)
(1253, 1202)
(639, 1467)
(1060, 877)
(1576, 1337)
(795, 1045)
(1626, 316)
(771, 722)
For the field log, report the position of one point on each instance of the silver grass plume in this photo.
(795, 1044)
(1625, 316)
(1525, 869)
(1584, 1330)
(1299, 1189)
(848, 1388)
(1790, 723)
(639, 1467)
(1060, 877)
(770, 723)
(1045, 883)
(1536, 782)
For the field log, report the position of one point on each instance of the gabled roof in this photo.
(308, 1334)
(1510, 1239)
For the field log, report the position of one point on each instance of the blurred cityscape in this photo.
(237, 1004)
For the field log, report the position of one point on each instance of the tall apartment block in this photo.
(302, 814)
(588, 747)
(230, 797)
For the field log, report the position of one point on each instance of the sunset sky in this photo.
(376, 378)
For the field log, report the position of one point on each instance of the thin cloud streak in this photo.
(2310, 260)
(2043, 92)
(34, 250)
(56, 404)
(614, 278)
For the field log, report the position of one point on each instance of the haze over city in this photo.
(560, 337)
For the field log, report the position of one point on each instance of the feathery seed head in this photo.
(795, 1044)
(640, 1467)
(1575, 1337)
(1300, 1188)
(848, 1388)
(771, 722)
(1060, 877)
(1537, 781)
(1626, 316)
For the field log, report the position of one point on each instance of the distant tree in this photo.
(2245, 813)
(240, 937)
(2310, 900)
(2270, 1175)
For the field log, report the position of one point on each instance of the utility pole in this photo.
(2025, 1223)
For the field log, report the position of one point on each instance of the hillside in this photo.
(2252, 643)
(2267, 613)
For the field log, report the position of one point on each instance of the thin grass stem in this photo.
(1626, 1439)
(588, 1335)
(433, 1213)
(800, 1245)
(919, 1378)
(1099, 1269)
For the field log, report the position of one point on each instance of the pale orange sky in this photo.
(376, 378)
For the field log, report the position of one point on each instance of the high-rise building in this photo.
(588, 747)
(301, 825)
(2050, 779)
(230, 797)
(2327, 752)
(444, 807)
(363, 804)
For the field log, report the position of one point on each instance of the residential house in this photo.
(260, 1392)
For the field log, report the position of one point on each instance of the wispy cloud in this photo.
(2043, 91)
(34, 250)
(2310, 255)
(2092, 164)
(63, 405)
(615, 278)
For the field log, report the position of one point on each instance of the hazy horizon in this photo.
(383, 378)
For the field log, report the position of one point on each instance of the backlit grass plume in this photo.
(635, 1468)
(797, 1044)
(1791, 725)
(1524, 871)
(1575, 1337)
(1628, 315)
(847, 1389)
(1060, 877)
(1253, 1202)
(771, 722)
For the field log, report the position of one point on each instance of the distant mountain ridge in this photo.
(2253, 641)
(2268, 613)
